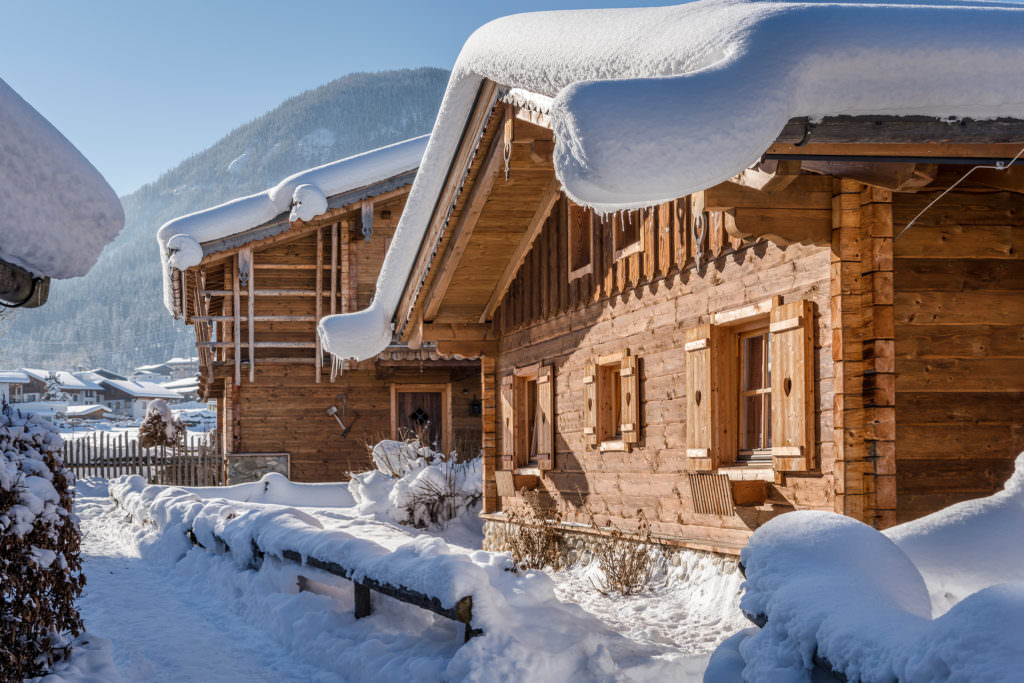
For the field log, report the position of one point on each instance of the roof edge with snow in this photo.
(651, 104)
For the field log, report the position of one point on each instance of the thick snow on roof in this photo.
(304, 194)
(141, 389)
(78, 411)
(67, 381)
(655, 103)
(58, 211)
(13, 377)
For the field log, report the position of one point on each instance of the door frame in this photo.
(445, 390)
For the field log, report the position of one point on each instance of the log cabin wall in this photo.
(959, 313)
(281, 407)
(646, 302)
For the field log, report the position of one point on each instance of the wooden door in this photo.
(422, 410)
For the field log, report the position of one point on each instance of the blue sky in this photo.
(139, 86)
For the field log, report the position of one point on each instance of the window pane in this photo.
(752, 366)
(751, 422)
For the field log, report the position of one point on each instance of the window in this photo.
(750, 388)
(580, 226)
(424, 410)
(611, 410)
(527, 405)
(755, 389)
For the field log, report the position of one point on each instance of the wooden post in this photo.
(489, 432)
(334, 276)
(318, 361)
(236, 311)
(362, 600)
(252, 317)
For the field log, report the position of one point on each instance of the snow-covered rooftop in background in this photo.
(655, 103)
(67, 381)
(304, 194)
(78, 411)
(141, 389)
(13, 377)
(58, 211)
(184, 383)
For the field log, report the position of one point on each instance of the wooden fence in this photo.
(103, 454)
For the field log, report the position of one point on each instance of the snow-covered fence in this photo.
(421, 573)
(102, 454)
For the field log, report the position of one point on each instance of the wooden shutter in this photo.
(700, 446)
(629, 410)
(590, 404)
(792, 351)
(546, 417)
(508, 436)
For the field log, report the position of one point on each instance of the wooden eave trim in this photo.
(888, 130)
(463, 230)
(458, 169)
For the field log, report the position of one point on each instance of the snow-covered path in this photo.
(161, 629)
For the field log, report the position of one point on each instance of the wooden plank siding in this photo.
(959, 332)
(279, 403)
(646, 302)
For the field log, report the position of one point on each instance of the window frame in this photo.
(758, 327)
(526, 421)
(608, 376)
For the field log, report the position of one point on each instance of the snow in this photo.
(67, 381)
(650, 104)
(986, 535)
(528, 632)
(13, 377)
(58, 210)
(141, 388)
(303, 193)
(830, 587)
(91, 661)
(78, 411)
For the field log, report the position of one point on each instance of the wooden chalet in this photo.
(254, 301)
(771, 343)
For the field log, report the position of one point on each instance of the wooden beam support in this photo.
(540, 216)
(318, 365)
(769, 176)
(236, 311)
(463, 229)
(251, 322)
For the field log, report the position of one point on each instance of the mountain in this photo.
(114, 316)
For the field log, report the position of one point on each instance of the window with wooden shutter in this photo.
(507, 423)
(792, 396)
(629, 397)
(545, 418)
(590, 404)
(700, 413)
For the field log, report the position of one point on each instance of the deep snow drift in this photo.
(832, 588)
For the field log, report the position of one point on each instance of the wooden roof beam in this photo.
(540, 216)
(464, 227)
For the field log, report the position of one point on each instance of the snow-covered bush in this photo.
(417, 486)
(40, 568)
(160, 428)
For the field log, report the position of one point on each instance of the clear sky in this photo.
(140, 85)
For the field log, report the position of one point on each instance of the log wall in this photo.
(646, 302)
(959, 314)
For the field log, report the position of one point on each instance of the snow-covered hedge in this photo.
(833, 592)
(417, 486)
(40, 568)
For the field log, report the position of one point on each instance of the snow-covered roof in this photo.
(651, 104)
(142, 389)
(78, 411)
(66, 380)
(155, 367)
(194, 360)
(304, 194)
(99, 374)
(13, 377)
(58, 211)
(184, 384)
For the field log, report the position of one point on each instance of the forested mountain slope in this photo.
(114, 316)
